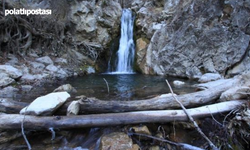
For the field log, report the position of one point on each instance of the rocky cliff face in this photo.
(187, 38)
(96, 22)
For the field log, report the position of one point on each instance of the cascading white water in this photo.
(125, 54)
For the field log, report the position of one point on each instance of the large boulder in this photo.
(46, 105)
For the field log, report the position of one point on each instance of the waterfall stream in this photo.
(125, 54)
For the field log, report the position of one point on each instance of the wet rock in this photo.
(209, 77)
(178, 83)
(73, 108)
(11, 71)
(116, 141)
(141, 129)
(66, 87)
(46, 105)
(45, 60)
(52, 68)
(235, 93)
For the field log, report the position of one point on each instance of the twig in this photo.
(192, 120)
(182, 145)
(23, 133)
(215, 119)
(106, 84)
(233, 111)
(53, 133)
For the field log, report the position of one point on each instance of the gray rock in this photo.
(46, 105)
(45, 60)
(26, 88)
(11, 71)
(61, 61)
(66, 87)
(186, 47)
(209, 77)
(28, 77)
(61, 74)
(5, 80)
(32, 77)
(52, 68)
(8, 92)
(81, 58)
(36, 67)
(96, 22)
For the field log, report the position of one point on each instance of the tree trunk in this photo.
(13, 121)
(10, 106)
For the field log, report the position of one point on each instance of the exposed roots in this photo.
(43, 34)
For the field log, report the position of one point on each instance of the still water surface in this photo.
(116, 86)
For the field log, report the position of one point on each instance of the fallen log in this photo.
(13, 121)
(9, 106)
(93, 105)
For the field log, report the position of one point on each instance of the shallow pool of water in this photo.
(115, 86)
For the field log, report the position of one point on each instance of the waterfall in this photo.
(126, 52)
